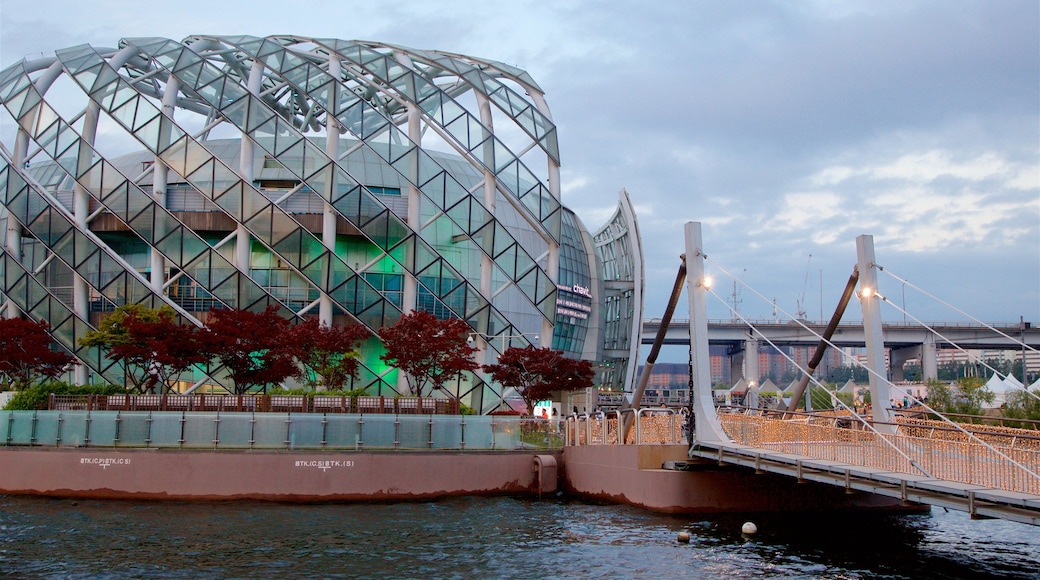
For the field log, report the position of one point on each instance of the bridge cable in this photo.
(834, 399)
(945, 419)
(971, 357)
(957, 310)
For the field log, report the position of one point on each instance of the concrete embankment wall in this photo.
(272, 475)
(632, 474)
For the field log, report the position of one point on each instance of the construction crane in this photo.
(800, 311)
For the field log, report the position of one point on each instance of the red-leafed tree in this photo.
(25, 353)
(329, 352)
(536, 372)
(257, 348)
(430, 350)
(154, 347)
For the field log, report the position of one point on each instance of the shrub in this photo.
(36, 396)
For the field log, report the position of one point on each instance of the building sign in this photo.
(568, 301)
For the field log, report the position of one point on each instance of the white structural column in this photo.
(160, 180)
(707, 420)
(81, 209)
(487, 267)
(13, 242)
(552, 263)
(870, 302)
(635, 246)
(243, 241)
(410, 289)
(328, 219)
(751, 370)
(929, 359)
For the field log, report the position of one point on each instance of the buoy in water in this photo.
(749, 528)
(684, 537)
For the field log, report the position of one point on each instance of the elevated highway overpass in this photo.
(897, 335)
(905, 341)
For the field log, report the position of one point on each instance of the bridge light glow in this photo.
(706, 283)
(866, 292)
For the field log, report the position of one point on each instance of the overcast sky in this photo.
(786, 128)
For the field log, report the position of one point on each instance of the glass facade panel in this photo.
(294, 176)
(5, 425)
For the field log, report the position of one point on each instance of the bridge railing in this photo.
(650, 425)
(915, 450)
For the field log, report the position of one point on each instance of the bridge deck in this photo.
(979, 501)
(919, 463)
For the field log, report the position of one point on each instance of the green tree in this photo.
(154, 347)
(965, 397)
(1021, 404)
(328, 353)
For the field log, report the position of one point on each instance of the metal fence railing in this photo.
(916, 450)
(256, 403)
(651, 425)
(274, 430)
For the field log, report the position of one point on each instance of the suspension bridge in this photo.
(986, 471)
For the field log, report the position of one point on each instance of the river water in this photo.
(495, 537)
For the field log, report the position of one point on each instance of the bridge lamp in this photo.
(866, 292)
(705, 282)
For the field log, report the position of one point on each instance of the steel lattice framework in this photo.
(477, 236)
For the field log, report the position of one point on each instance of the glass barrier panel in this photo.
(46, 428)
(103, 428)
(447, 431)
(378, 431)
(73, 429)
(235, 430)
(270, 430)
(21, 429)
(200, 429)
(306, 430)
(413, 431)
(507, 433)
(134, 428)
(5, 425)
(478, 433)
(166, 429)
(342, 431)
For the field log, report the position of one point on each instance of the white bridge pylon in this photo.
(706, 419)
(708, 427)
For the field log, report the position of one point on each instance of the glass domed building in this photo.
(344, 180)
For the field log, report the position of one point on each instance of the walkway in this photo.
(992, 473)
